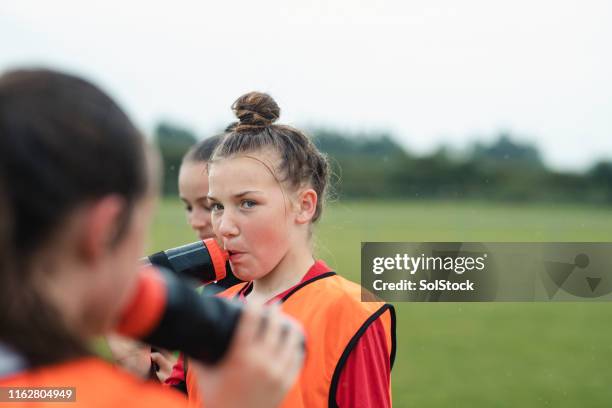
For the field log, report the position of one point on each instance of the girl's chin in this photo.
(244, 273)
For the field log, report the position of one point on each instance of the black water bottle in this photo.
(201, 260)
(167, 313)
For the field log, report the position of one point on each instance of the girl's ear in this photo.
(306, 205)
(100, 226)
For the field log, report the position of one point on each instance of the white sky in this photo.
(430, 71)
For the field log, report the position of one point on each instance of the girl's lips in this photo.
(235, 256)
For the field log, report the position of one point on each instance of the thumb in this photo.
(161, 361)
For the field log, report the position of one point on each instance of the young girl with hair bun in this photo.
(267, 184)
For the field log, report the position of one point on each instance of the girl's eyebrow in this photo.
(238, 195)
(248, 192)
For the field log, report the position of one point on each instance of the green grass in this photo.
(472, 355)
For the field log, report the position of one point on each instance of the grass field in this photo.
(472, 355)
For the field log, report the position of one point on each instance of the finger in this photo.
(292, 338)
(274, 327)
(158, 358)
(262, 327)
(292, 353)
(285, 330)
(246, 332)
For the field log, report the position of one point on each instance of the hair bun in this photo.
(255, 110)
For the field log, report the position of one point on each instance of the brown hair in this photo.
(301, 162)
(203, 150)
(64, 142)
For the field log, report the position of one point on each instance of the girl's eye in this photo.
(188, 208)
(216, 207)
(205, 206)
(248, 204)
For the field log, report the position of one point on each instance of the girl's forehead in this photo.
(243, 172)
(193, 169)
(258, 162)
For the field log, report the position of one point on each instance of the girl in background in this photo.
(193, 186)
(81, 189)
(267, 186)
(193, 191)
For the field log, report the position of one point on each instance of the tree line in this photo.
(374, 165)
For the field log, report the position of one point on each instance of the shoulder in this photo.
(338, 294)
(232, 290)
(371, 320)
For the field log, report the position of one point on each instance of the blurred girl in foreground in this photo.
(267, 185)
(81, 190)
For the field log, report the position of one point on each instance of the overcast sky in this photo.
(430, 71)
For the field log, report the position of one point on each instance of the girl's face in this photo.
(250, 213)
(128, 252)
(193, 190)
(116, 267)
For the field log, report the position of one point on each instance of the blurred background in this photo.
(443, 120)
